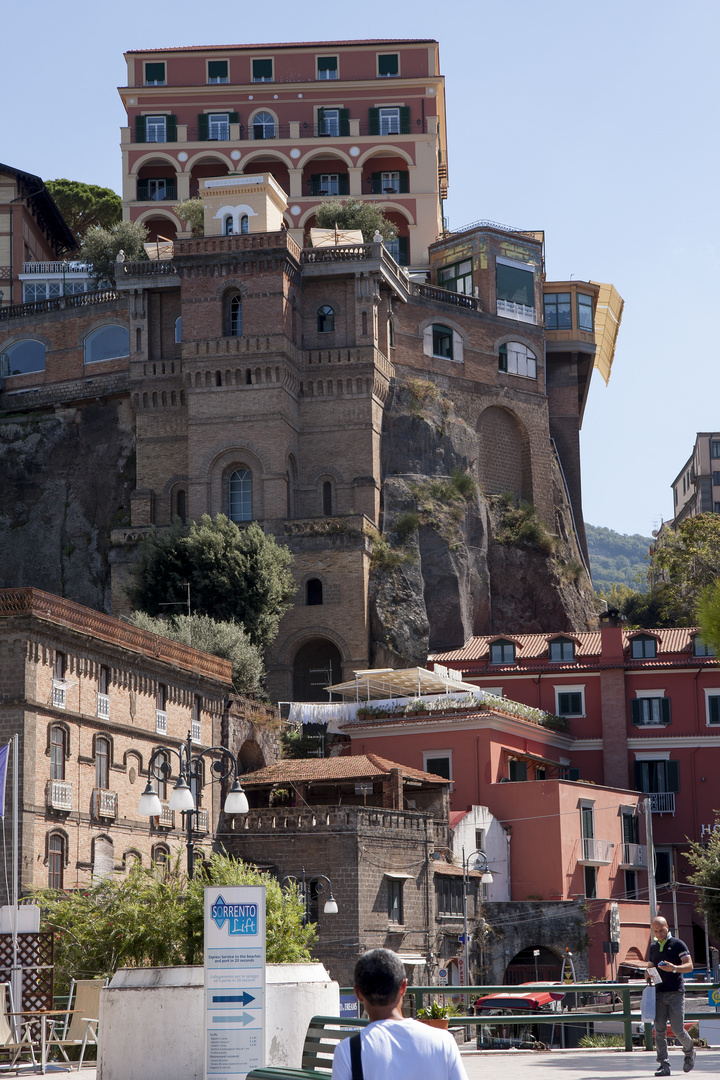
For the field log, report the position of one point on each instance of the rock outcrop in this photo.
(451, 561)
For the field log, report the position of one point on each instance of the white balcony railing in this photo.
(58, 694)
(633, 855)
(510, 310)
(105, 803)
(202, 821)
(596, 852)
(103, 706)
(160, 722)
(59, 795)
(56, 268)
(662, 802)
(167, 817)
(196, 731)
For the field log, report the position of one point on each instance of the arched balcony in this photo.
(204, 169)
(156, 182)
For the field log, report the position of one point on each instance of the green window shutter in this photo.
(203, 127)
(376, 183)
(315, 183)
(638, 774)
(502, 366)
(140, 135)
(404, 182)
(142, 190)
(217, 69)
(665, 702)
(343, 184)
(403, 250)
(374, 115)
(344, 121)
(635, 710)
(171, 129)
(233, 118)
(672, 771)
(714, 708)
(321, 121)
(405, 120)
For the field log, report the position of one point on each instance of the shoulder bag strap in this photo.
(355, 1057)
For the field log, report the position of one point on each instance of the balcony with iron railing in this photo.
(59, 795)
(56, 268)
(595, 852)
(447, 296)
(236, 132)
(662, 802)
(633, 856)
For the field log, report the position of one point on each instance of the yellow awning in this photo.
(608, 315)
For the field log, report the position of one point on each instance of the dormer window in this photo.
(701, 648)
(643, 647)
(562, 649)
(502, 652)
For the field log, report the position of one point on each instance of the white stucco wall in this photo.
(151, 1019)
(496, 848)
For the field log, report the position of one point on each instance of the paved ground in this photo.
(580, 1064)
(529, 1065)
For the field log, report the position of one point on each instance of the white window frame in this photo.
(153, 126)
(710, 691)
(431, 754)
(651, 695)
(578, 689)
(390, 182)
(326, 75)
(215, 80)
(264, 124)
(221, 122)
(154, 82)
(155, 187)
(521, 360)
(389, 120)
(263, 79)
(458, 356)
(329, 184)
(330, 122)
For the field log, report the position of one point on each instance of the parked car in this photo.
(507, 1036)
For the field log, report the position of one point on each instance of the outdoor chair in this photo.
(8, 1040)
(82, 1030)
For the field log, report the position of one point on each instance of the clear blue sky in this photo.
(594, 122)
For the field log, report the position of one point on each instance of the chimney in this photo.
(611, 624)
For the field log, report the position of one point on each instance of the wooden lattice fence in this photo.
(35, 957)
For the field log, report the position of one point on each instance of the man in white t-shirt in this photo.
(391, 1046)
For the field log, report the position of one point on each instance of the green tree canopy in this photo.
(235, 575)
(709, 614)
(705, 859)
(101, 246)
(154, 917)
(193, 211)
(355, 214)
(225, 639)
(85, 205)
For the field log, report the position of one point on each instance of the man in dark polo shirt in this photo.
(672, 959)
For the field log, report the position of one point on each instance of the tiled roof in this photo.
(334, 770)
(675, 641)
(286, 45)
(456, 817)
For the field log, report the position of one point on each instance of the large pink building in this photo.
(359, 118)
(643, 711)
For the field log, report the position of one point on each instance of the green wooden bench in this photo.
(323, 1035)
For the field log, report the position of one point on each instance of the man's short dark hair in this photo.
(379, 974)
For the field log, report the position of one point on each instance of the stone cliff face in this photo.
(451, 561)
(65, 482)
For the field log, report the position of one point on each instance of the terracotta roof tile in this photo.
(285, 45)
(334, 770)
(673, 641)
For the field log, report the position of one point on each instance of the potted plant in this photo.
(436, 1015)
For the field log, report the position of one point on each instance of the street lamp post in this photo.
(189, 783)
(486, 879)
(305, 884)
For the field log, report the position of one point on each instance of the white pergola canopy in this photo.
(385, 683)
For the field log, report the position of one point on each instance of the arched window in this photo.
(181, 505)
(178, 330)
(314, 592)
(23, 357)
(102, 762)
(327, 497)
(263, 126)
(161, 857)
(228, 227)
(517, 359)
(236, 322)
(58, 745)
(391, 334)
(107, 343)
(244, 225)
(56, 860)
(325, 319)
(240, 496)
(161, 772)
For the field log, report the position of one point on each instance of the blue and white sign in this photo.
(234, 980)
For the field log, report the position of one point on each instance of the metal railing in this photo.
(565, 1016)
(56, 268)
(446, 296)
(148, 267)
(596, 852)
(59, 795)
(633, 855)
(662, 802)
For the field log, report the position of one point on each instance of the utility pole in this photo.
(652, 891)
(674, 887)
